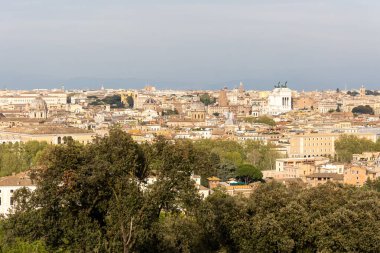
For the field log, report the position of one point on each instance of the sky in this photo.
(192, 44)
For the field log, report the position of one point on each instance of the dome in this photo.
(38, 104)
(197, 106)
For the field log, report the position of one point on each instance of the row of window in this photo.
(316, 144)
(316, 150)
(317, 138)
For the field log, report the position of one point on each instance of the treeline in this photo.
(19, 157)
(94, 198)
(262, 119)
(226, 157)
(347, 145)
(114, 101)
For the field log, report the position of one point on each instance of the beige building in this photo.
(49, 134)
(303, 103)
(8, 185)
(316, 179)
(319, 144)
(355, 176)
(295, 167)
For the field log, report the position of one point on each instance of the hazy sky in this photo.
(194, 43)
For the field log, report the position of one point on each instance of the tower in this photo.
(241, 87)
(223, 101)
(362, 91)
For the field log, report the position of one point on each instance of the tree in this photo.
(338, 107)
(260, 155)
(347, 145)
(363, 110)
(114, 101)
(95, 198)
(226, 171)
(98, 188)
(352, 93)
(206, 99)
(19, 157)
(373, 184)
(266, 120)
(130, 101)
(248, 173)
(170, 112)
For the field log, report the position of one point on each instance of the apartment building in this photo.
(319, 144)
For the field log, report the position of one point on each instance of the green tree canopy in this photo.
(18, 157)
(114, 101)
(130, 101)
(206, 99)
(262, 119)
(248, 173)
(100, 189)
(347, 145)
(363, 109)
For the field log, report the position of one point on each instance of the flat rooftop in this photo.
(45, 130)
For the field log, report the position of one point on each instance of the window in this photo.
(11, 201)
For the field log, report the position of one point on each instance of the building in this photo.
(38, 109)
(8, 185)
(316, 179)
(295, 167)
(280, 100)
(355, 176)
(303, 102)
(319, 144)
(223, 100)
(331, 168)
(49, 134)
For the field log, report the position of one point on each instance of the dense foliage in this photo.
(19, 157)
(248, 173)
(328, 218)
(262, 119)
(226, 156)
(373, 184)
(170, 112)
(94, 198)
(347, 145)
(363, 109)
(352, 93)
(372, 93)
(130, 101)
(114, 101)
(206, 99)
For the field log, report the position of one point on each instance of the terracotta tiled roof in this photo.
(213, 179)
(326, 175)
(21, 179)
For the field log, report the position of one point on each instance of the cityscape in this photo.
(189, 127)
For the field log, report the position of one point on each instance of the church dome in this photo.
(197, 106)
(38, 104)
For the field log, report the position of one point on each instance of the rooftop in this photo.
(46, 130)
(20, 179)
